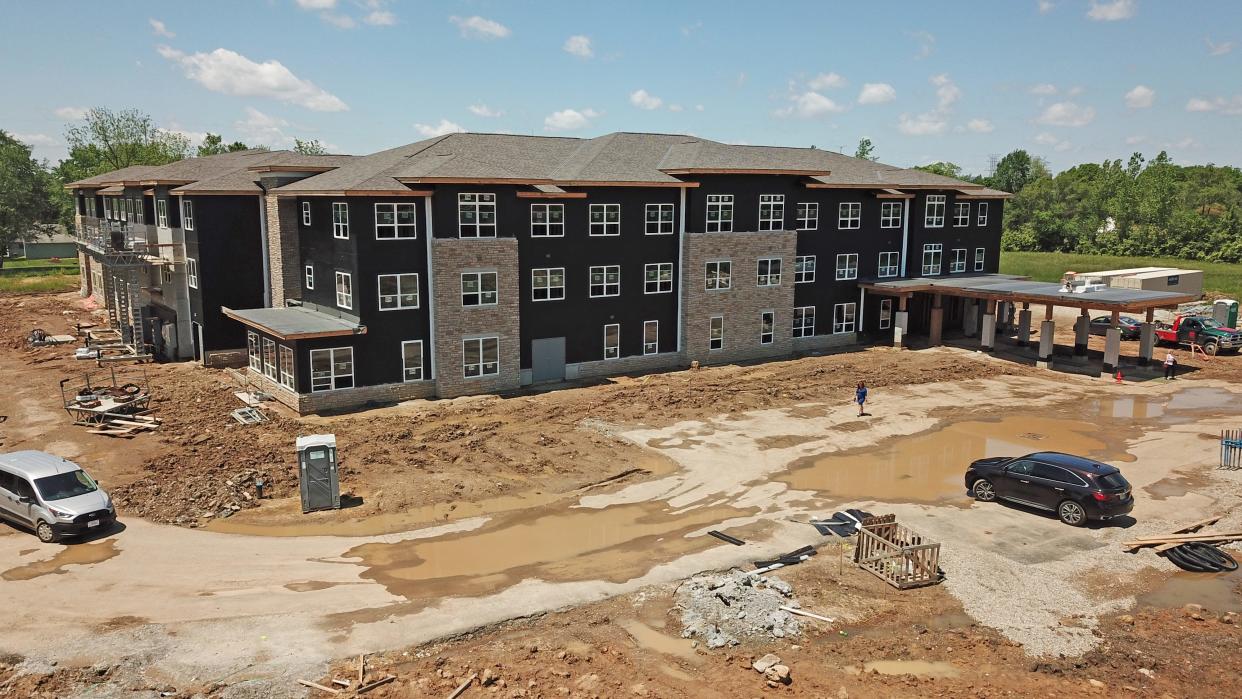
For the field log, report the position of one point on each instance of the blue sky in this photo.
(1069, 80)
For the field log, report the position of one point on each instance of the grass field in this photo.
(1219, 279)
(38, 283)
(23, 262)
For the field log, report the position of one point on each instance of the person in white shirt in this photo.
(1170, 366)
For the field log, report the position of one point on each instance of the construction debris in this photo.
(897, 554)
(726, 538)
(725, 609)
(248, 416)
(1191, 533)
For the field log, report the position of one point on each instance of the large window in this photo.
(658, 278)
(547, 284)
(605, 280)
(191, 272)
(412, 360)
(309, 274)
(651, 337)
(612, 341)
(344, 290)
(398, 291)
(886, 314)
(715, 333)
(932, 252)
(808, 216)
(332, 368)
(340, 220)
(957, 261)
(980, 256)
(480, 357)
(306, 213)
(547, 220)
(804, 269)
(961, 214)
(478, 289)
(659, 219)
(253, 351)
(161, 213)
(395, 221)
(768, 272)
(717, 276)
(847, 266)
(804, 321)
(605, 219)
(982, 219)
(933, 215)
(287, 372)
(719, 213)
(767, 327)
(843, 318)
(849, 216)
(187, 214)
(476, 215)
(890, 214)
(771, 212)
(269, 359)
(889, 264)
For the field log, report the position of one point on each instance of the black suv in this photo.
(1075, 488)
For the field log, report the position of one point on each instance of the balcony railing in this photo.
(128, 239)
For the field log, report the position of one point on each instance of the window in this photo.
(931, 258)
(340, 220)
(849, 216)
(889, 264)
(478, 289)
(332, 368)
(843, 318)
(804, 269)
(269, 359)
(717, 275)
(344, 290)
(161, 213)
(191, 272)
(890, 214)
(252, 350)
(715, 333)
(886, 314)
(658, 278)
(187, 215)
(847, 266)
(961, 214)
(547, 220)
(476, 215)
(1054, 473)
(808, 216)
(480, 357)
(651, 337)
(933, 216)
(306, 217)
(769, 271)
(771, 212)
(395, 222)
(767, 323)
(129, 210)
(547, 284)
(286, 367)
(412, 360)
(605, 280)
(659, 219)
(310, 276)
(719, 213)
(957, 262)
(612, 341)
(108, 207)
(982, 219)
(166, 274)
(804, 321)
(980, 255)
(398, 291)
(605, 219)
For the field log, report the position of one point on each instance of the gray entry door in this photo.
(548, 359)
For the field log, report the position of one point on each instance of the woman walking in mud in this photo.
(860, 397)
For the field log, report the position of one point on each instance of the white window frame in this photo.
(847, 266)
(603, 228)
(399, 298)
(981, 255)
(663, 282)
(612, 351)
(804, 269)
(409, 373)
(187, 214)
(961, 214)
(933, 211)
(547, 228)
(603, 286)
(936, 250)
(191, 272)
(886, 314)
(551, 292)
(661, 224)
(722, 206)
(345, 299)
(288, 369)
(771, 212)
(888, 264)
(849, 216)
(308, 276)
(333, 378)
(482, 296)
(715, 333)
(161, 213)
(808, 215)
(957, 261)
(306, 213)
(166, 275)
(767, 327)
(718, 281)
(804, 321)
(254, 352)
(890, 214)
(651, 346)
(483, 368)
(844, 318)
(982, 214)
(768, 272)
(400, 231)
(270, 369)
(340, 220)
(479, 204)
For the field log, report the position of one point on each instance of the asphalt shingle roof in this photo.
(213, 173)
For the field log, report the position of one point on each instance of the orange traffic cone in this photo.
(1119, 377)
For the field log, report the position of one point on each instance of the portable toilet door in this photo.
(1225, 312)
(321, 489)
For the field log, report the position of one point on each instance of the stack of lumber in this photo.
(125, 425)
(1184, 535)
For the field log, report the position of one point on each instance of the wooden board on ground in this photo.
(1133, 546)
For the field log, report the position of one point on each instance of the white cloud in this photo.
(261, 128)
(1188, 142)
(476, 27)
(338, 21)
(484, 111)
(698, 107)
(692, 28)
(1045, 6)
(443, 128)
(579, 45)
(1059, 145)
(645, 100)
(70, 113)
(194, 137)
(231, 73)
(36, 139)
(1043, 89)
(158, 28)
(1197, 104)
(1135, 140)
(947, 92)
(1066, 114)
(1231, 106)
(929, 124)
(980, 126)
(675, 108)
(380, 18)
(569, 119)
(876, 93)
(926, 41)
(316, 4)
(1220, 49)
(826, 81)
(1111, 11)
(809, 105)
(1141, 97)
(1075, 91)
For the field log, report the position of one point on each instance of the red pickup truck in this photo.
(1201, 330)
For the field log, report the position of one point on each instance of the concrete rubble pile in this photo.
(723, 609)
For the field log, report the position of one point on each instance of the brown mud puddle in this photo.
(1219, 592)
(77, 555)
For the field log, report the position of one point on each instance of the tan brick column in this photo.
(284, 257)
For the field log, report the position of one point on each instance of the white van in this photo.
(52, 496)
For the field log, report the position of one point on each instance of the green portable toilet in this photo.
(1225, 312)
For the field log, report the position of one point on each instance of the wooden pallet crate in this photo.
(897, 554)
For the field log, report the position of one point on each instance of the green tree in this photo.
(311, 147)
(26, 206)
(213, 144)
(942, 168)
(865, 150)
(1014, 171)
(108, 140)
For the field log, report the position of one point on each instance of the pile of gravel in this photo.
(722, 609)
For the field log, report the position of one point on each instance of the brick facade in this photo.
(626, 365)
(285, 264)
(344, 398)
